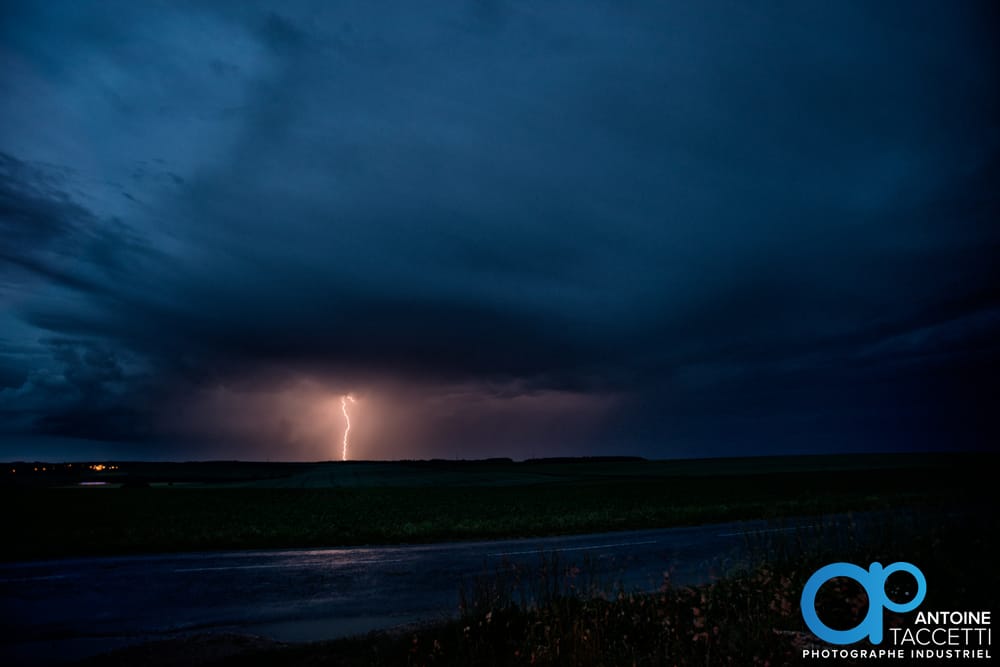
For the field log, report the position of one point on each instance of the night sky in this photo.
(506, 228)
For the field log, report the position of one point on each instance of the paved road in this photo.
(77, 607)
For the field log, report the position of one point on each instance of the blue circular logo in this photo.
(873, 581)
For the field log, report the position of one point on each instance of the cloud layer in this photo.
(518, 230)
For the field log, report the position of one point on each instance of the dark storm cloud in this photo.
(46, 233)
(757, 230)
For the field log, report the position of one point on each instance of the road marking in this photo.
(222, 568)
(764, 530)
(592, 546)
(41, 577)
(233, 567)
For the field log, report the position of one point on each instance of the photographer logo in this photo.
(873, 581)
(936, 635)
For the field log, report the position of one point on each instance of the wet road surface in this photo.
(72, 608)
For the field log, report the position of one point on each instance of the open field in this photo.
(202, 506)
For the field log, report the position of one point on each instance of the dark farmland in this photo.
(163, 507)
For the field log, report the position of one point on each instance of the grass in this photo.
(383, 503)
(557, 614)
(750, 616)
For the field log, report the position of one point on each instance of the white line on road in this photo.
(234, 567)
(764, 530)
(270, 566)
(592, 546)
(38, 578)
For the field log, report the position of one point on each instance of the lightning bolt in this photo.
(347, 418)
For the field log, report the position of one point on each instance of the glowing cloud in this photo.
(347, 418)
